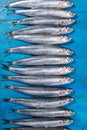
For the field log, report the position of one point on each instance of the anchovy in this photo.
(29, 128)
(42, 39)
(41, 122)
(41, 91)
(46, 12)
(41, 102)
(41, 50)
(41, 80)
(43, 60)
(42, 4)
(44, 21)
(42, 30)
(43, 70)
(55, 112)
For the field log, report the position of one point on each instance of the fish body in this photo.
(41, 50)
(42, 91)
(42, 4)
(41, 80)
(41, 102)
(43, 60)
(46, 12)
(43, 71)
(45, 21)
(42, 39)
(29, 128)
(42, 30)
(42, 122)
(57, 112)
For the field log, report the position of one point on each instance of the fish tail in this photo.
(13, 110)
(7, 86)
(5, 67)
(6, 121)
(7, 52)
(14, 23)
(6, 100)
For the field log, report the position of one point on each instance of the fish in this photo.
(50, 50)
(45, 12)
(42, 39)
(41, 122)
(43, 60)
(46, 30)
(30, 128)
(43, 70)
(42, 4)
(55, 112)
(41, 91)
(44, 21)
(41, 80)
(41, 102)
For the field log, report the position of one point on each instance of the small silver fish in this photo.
(41, 122)
(41, 102)
(42, 30)
(41, 91)
(43, 60)
(45, 21)
(46, 12)
(43, 70)
(42, 4)
(41, 50)
(42, 39)
(30, 128)
(55, 112)
(41, 80)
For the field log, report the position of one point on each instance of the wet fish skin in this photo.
(44, 21)
(46, 12)
(42, 122)
(42, 30)
(29, 128)
(43, 71)
(42, 39)
(41, 50)
(55, 112)
(41, 80)
(43, 60)
(42, 4)
(41, 102)
(41, 91)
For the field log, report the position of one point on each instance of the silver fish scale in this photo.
(47, 70)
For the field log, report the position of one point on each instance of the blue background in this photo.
(79, 46)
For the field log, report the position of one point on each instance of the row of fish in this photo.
(48, 67)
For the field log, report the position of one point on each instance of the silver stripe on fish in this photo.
(41, 80)
(41, 122)
(44, 21)
(42, 39)
(41, 102)
(55, 112)
(30, 128)
(41, 91)
(46, 12)
(43, 70)
(43, 60)
(42, 30)
(42, 4)
(41, 50)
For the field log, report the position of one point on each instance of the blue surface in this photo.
(79, 46)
